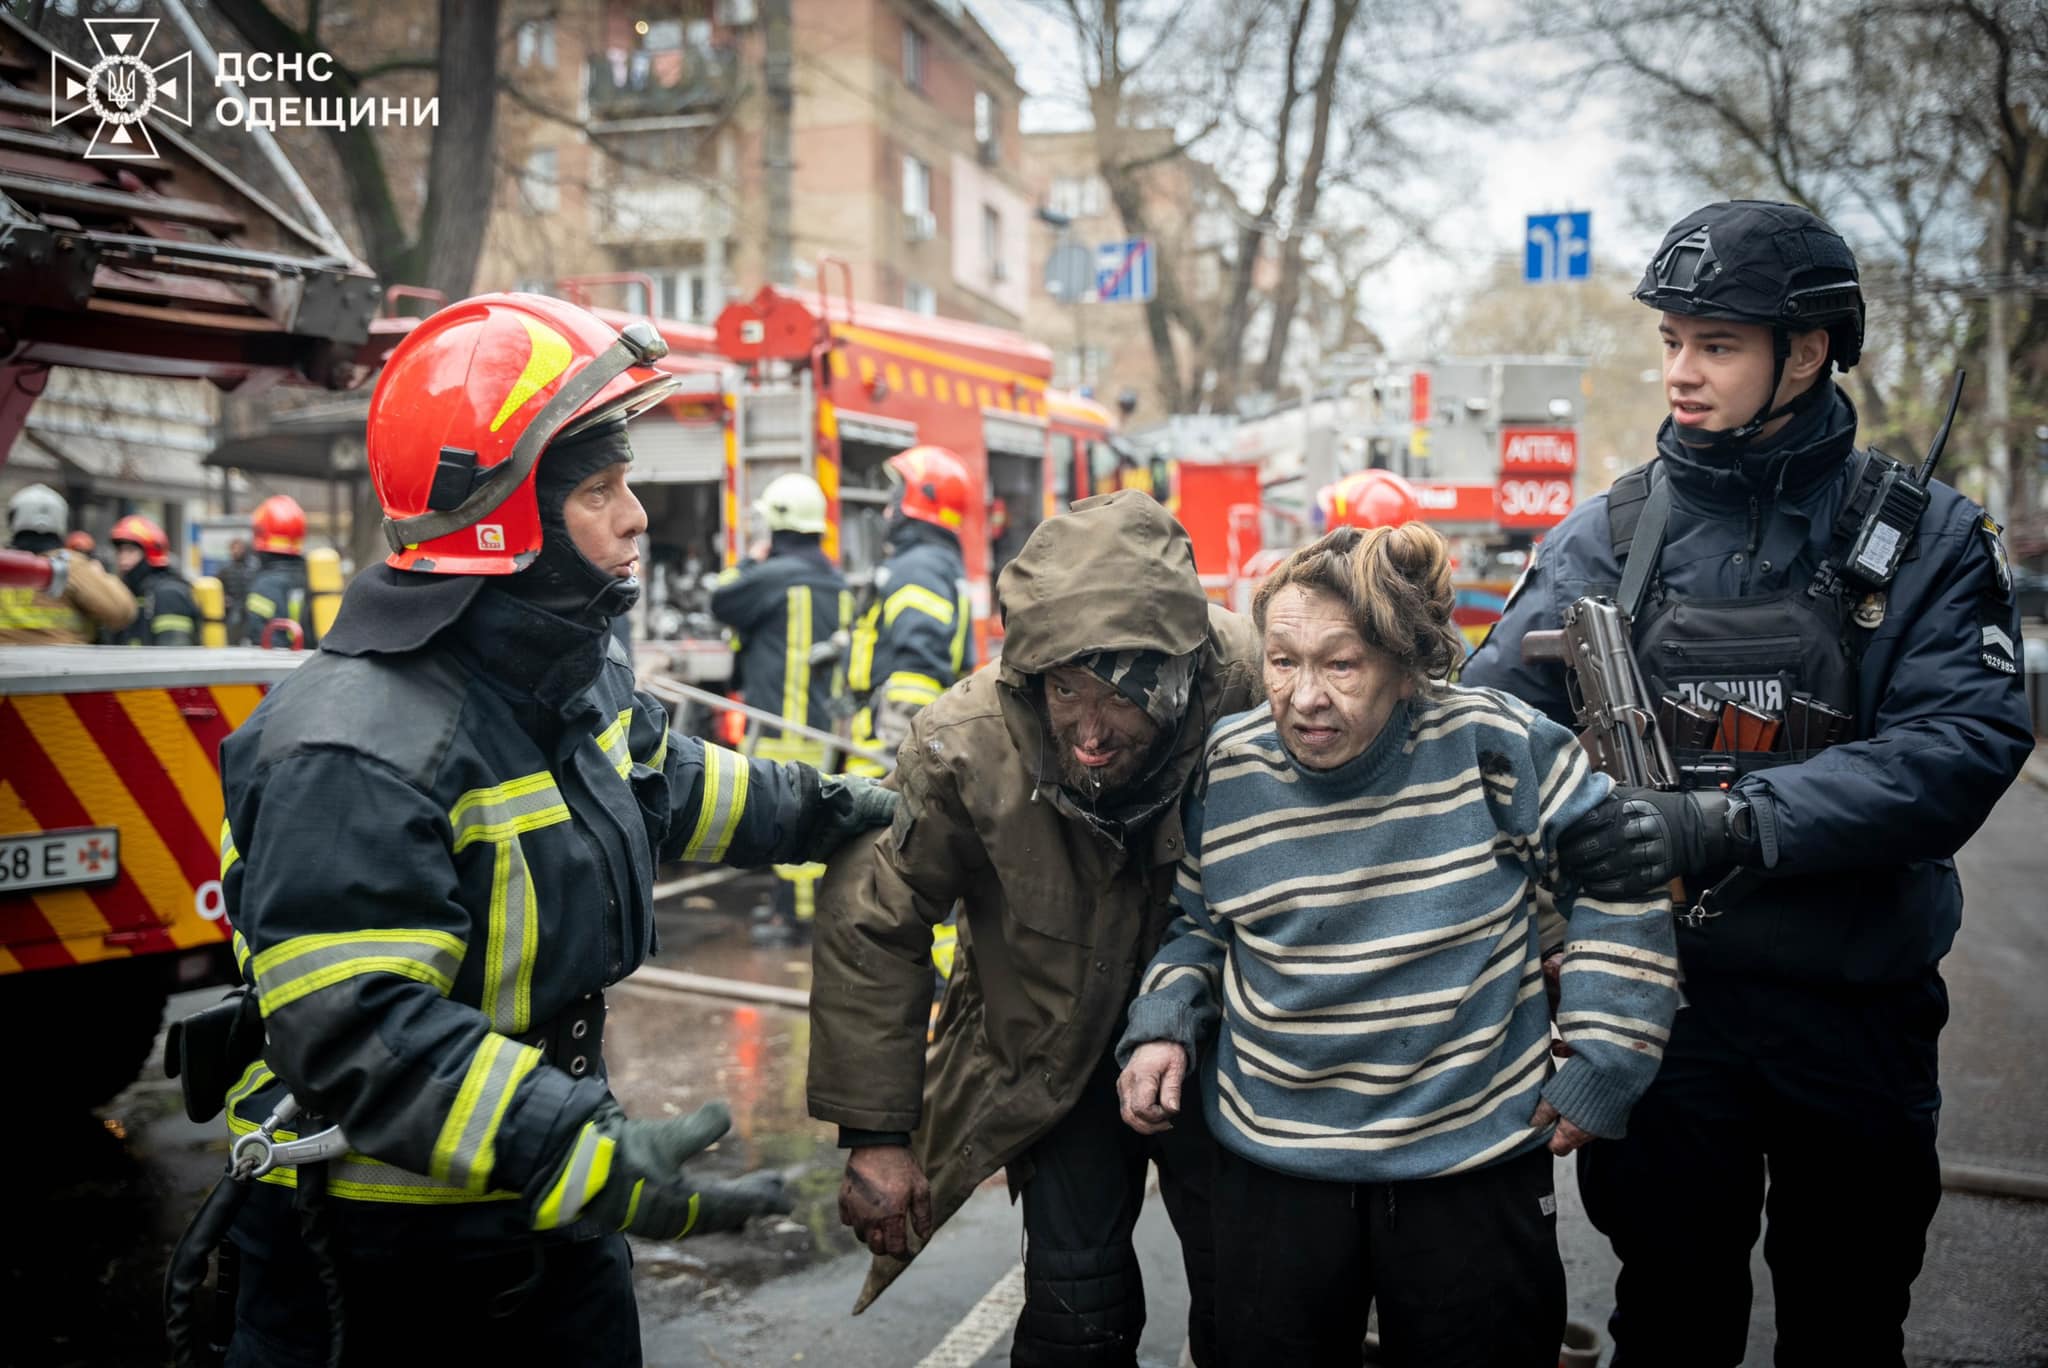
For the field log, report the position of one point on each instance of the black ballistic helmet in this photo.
(1758, 261)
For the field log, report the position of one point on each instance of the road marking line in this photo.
(994, 1316)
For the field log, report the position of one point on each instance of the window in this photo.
(680, 294)
(917, 187)
(1076, 196)
(913, 57)
(987, 125)
(537, 184)
(992, 243)
(920, 299)
(536, 43)
(1079, 367)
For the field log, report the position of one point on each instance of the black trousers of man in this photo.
(1464, 1268)
(1084, 1296)
(561, 1301)
(1815, 1105)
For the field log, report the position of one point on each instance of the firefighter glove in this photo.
(845, 805)
(1639, 839)
(628, 1175)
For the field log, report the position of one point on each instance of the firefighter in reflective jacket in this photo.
(782, 609)
(915, 636)
(440, 843)
(168, 616)
(278, 589)
(89, 601)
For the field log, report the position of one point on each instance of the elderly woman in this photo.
(1357, 969)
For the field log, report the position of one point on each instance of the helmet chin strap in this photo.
(1731, 443)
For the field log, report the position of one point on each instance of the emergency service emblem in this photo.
(490, 537)
(1999, 564)
(121, 89)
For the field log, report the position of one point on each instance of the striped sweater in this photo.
(1363, 944)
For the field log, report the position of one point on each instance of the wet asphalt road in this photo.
(102, 1196)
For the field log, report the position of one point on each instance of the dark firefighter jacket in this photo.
(168, 615)
(423, 861)
(278, 590)
(781, 608)
(917, 635)
(914, 638)
(1060, 915)
(1858, 839)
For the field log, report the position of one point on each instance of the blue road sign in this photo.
(1558, 247)
(1123, 271)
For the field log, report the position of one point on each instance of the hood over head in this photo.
(1116, 573)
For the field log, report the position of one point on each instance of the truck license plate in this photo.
(59, 859)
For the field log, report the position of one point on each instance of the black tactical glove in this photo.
(1640, 839)
(628, 1175)
(843, 806)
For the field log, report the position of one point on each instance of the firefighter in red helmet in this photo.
(278, 589)
(916, 634)
(168, 615)
(441, 837)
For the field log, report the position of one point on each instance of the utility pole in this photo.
(777, 82)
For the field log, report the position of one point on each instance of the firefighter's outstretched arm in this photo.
(356, 944)
(726, 808)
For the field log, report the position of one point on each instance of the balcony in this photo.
(642, 84)
(647, 209)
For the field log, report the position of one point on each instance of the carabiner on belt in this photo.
(258, 1152)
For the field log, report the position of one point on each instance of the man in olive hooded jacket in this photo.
(1043, 793)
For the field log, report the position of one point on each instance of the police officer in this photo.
(783, 608)
(168, 615)
(88, 600)
(440, 843)
(1754, 549)
(278, 588)
(916, 633)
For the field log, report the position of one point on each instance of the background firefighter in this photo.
(1044, 795)
(278, 587)
(915, 635)
(168, 615)
(782, 608)
(92, 600)
(440, 843)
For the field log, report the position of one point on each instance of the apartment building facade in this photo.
(642, 142)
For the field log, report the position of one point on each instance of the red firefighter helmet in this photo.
(467, 403)
(156, 547)
(1367, 498)
(280, 525)
(934, 486)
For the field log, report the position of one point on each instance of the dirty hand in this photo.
(1566, 1137)
(628, 1175)
(1149, 1087)
(883, 1191)
(846, 805)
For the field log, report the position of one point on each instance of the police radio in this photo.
(1893, 512)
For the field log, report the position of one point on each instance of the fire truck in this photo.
(818, 383)
(110, 804)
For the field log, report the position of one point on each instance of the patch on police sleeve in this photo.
(1999, 564)
(1998, 652)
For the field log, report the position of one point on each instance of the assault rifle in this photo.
(1617, 718)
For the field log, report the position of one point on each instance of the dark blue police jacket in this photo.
(1857, 841)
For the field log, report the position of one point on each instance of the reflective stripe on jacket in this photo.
(415, 880)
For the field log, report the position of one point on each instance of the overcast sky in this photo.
(1556, 163)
